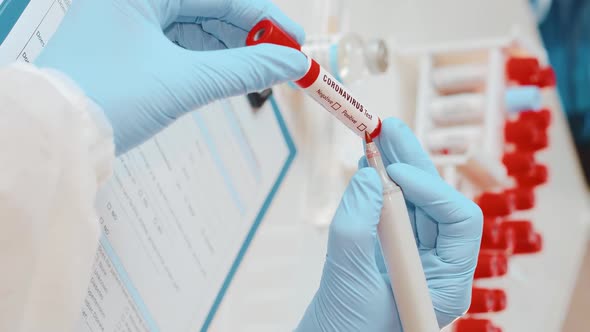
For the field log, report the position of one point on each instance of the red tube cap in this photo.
(534, 245)
(541, 118)
(495, 204)
(495, 237)
(546, 78)
(526, 135)
(475, 325)
(518, 162)
(535, 177)
(522, 228)
(491, 264)
(491, 230)
(527, 241)
(522, 70)
(500, 300)
(487, 300)
(523, 197)
(520, 132)
(266, 31)
(539, 142)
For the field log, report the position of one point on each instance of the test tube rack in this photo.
(482, 141)
(468, 150)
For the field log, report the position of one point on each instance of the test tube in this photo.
(452, 140)
(495, 204)
(487, 300)
(459, 78)
(320, 85)
(460, 108)
(491, 264)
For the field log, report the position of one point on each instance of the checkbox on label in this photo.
(336, 106)
(361, 127)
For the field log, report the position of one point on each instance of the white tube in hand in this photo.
(400, 253)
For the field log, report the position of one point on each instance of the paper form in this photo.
(179, 210)
(175, 215)
(37, 21)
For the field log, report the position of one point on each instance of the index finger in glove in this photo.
(243, 14)
(459, 219)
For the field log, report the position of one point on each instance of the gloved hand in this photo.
(125, 55)
(355, 293)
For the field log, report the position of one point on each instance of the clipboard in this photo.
(133, 304)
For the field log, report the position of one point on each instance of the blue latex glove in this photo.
(355, 293)
(124, 54)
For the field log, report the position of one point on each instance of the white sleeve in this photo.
(55, 150)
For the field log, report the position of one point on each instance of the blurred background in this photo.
(565, 28)
(497, 93)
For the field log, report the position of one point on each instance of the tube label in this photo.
(336, 99)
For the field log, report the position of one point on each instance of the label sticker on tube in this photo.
(320, 85)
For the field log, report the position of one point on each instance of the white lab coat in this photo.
(55, 150)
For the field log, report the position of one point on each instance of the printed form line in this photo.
(265, 205)
(122, 273)
(218, 162)
(242, 140)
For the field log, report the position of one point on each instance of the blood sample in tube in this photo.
(320, 85)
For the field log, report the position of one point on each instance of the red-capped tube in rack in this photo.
(546, 77)
(540, 142)
(320, 85)
(475, 325)
(522, 70)
(526, 135)
(541, 118)
(538, 175)
(518, 162)
(527, 241)
(534, 245)
(487, 300)
(527, 71)
(523, 197)
(521, 132)
(495, 204)
(491, 230)
(496, 237)
(491, 264)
